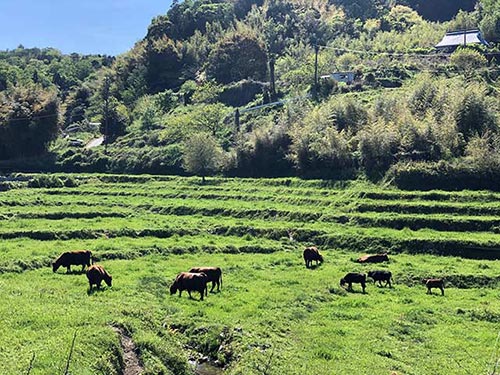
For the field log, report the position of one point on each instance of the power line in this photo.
(32, 117)
(400, 54)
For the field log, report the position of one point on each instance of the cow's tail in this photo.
(220, 278)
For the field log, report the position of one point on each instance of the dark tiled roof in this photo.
(456, 38)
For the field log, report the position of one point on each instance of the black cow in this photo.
(80, 257)
(310, 254)
(214, 275)
(191, 282)
(354, 277)
(381, 276)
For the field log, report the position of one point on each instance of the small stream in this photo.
(205, 368)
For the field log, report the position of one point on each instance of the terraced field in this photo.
(273, 316)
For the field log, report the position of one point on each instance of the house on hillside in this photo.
(452, 40)
(347, 77)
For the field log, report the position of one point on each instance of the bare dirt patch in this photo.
(131, 362)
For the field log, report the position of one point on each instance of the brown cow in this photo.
(214, 275)
(434, 283)
(373, 258)
(354, 277)
(96, 274)
(80, 257)
(311, 253)
(191, 282)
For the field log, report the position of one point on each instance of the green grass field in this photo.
(273, 315)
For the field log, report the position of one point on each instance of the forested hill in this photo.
(188, 97)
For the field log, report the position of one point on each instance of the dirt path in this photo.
(130, 359)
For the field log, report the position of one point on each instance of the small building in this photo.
(347, 77)
(452, 40)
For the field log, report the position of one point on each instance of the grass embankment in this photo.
(273, 315)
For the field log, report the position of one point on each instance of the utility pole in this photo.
(237, 119)
(272, 78)
(315, 90)
(105, 95)
(465, 32)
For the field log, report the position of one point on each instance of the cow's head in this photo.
(342, 282)
(55, 266)
(173, 288)
(371, 273)
(108, 280)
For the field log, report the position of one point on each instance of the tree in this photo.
(163, 61)
(239, 56)
(202, 155)
(114, 115)
(29, 118)
(401, 18)
(468, 61)
(475, 114)
(76, 104)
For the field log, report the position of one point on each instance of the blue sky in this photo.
(84, 26)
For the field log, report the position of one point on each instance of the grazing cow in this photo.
(310, 254)
(354, 277)
(214, 275)
(434, 283)
(381, 276)
(191, 282)
(81, 257)
(96, 274)
(373, 258)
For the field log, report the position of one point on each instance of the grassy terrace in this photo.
(273, 315)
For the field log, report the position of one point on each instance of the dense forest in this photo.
(245, 88)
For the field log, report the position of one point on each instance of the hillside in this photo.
(409, 112)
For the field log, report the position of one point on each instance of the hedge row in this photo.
(445, 176)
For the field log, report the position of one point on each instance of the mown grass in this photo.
(273, 315)
(270, 307)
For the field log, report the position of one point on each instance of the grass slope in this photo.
(273, 315)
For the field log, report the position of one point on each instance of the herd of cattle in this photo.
(198, 278)
(312, 254)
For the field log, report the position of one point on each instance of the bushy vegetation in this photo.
(204, 63)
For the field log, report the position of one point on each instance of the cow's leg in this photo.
(213, 286)
(442, 291)
(68, 269)
(349, 287)
(201, 293)
(388, 283)
(83, 267)
(189, 292)
(380, 283)
(180, 293)
(363, 287)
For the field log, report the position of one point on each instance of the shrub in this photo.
(378, 145)
(444, 175)
(46, 181)
(475, 114)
